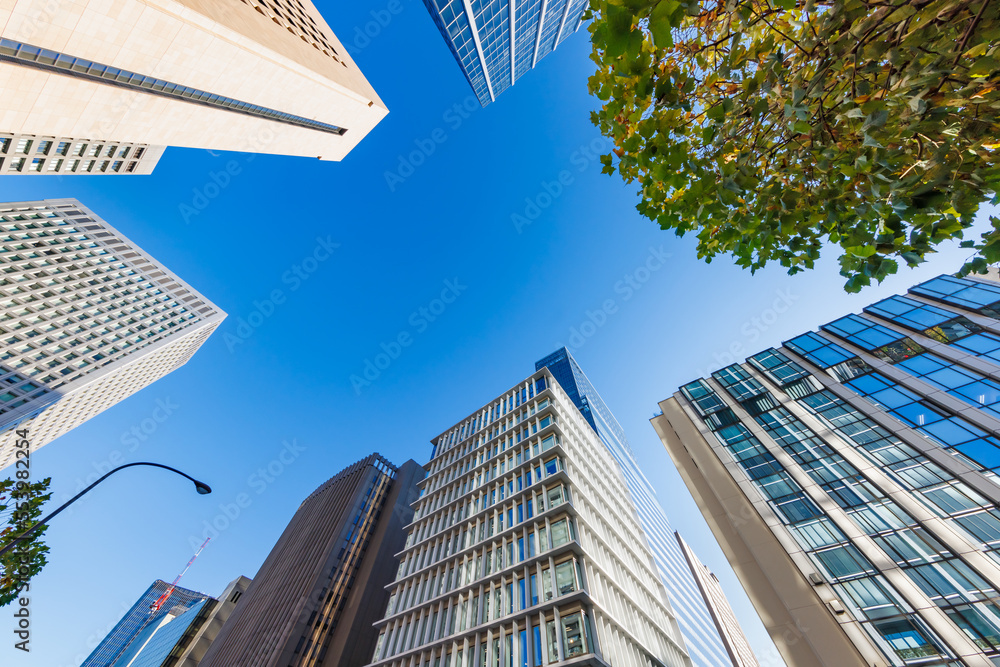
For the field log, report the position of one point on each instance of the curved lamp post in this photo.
(202, 488)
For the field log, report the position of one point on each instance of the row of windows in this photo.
(24, 146)
(893, 627)
(33, 56)
(549, 640)
(70, 165)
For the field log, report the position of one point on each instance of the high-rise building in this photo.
(523, 549)
(495, 43)
(177, 635)
(850, 477)
(315, 598)
(701, 635)
(740, 653)
(86, 319)
(139, 618)
(98, 91)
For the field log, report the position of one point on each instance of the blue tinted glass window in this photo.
(818, 350)
(910, 313)
(959, 291)
(862, 332)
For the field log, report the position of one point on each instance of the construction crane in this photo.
(155, 607)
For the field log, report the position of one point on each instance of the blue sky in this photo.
(528, 259)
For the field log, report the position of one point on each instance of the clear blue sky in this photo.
(522, 293)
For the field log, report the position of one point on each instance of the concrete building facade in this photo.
(850, 478)
(316, 597)
(87, 318)
(265, 76)
(523, 549)
(740, 653)
(702, 637)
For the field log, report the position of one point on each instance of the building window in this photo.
(575, 640)
(862, 332)
(818, 350)
(43, 147)
(36, 164)
(982, 298)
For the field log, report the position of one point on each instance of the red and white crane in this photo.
(155, 607)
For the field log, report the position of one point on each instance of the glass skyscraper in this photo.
(851, 478)
(140, 620)
(699, 630)
(496, 42)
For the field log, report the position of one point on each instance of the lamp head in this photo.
(203, 489)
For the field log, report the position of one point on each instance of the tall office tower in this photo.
(86, 319)
(701, 635)
(139, 618)
(523, 549)
(850, 477)
(315, 598)
(180, 636)
(100, 91)
(740, 653)
(495, 43)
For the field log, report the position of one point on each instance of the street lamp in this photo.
(203, 489)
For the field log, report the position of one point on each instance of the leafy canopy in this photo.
(770, 127)
(20, 507)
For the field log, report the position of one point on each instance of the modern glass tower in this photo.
(139, 620)
(851, 479)
(103, 92)
(87, 318)
(701, 635)
(315, 598)
(522, 550)
(495, 43)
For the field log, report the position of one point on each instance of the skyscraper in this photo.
(701, 636)
(733, 638)
(315, 598)
(99, 91)
(850, 477)
(495, 43)
(175, 636)
(86, 319)
(139, 618)
(522, 549)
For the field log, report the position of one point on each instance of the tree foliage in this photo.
(769, 127)
(20, 507)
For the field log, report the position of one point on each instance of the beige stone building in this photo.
(87, 319)
(101, 86)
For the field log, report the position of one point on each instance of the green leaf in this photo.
(661, 24)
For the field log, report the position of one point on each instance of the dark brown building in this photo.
(316, 597)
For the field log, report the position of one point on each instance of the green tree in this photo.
(20, 507)
(770, 127)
